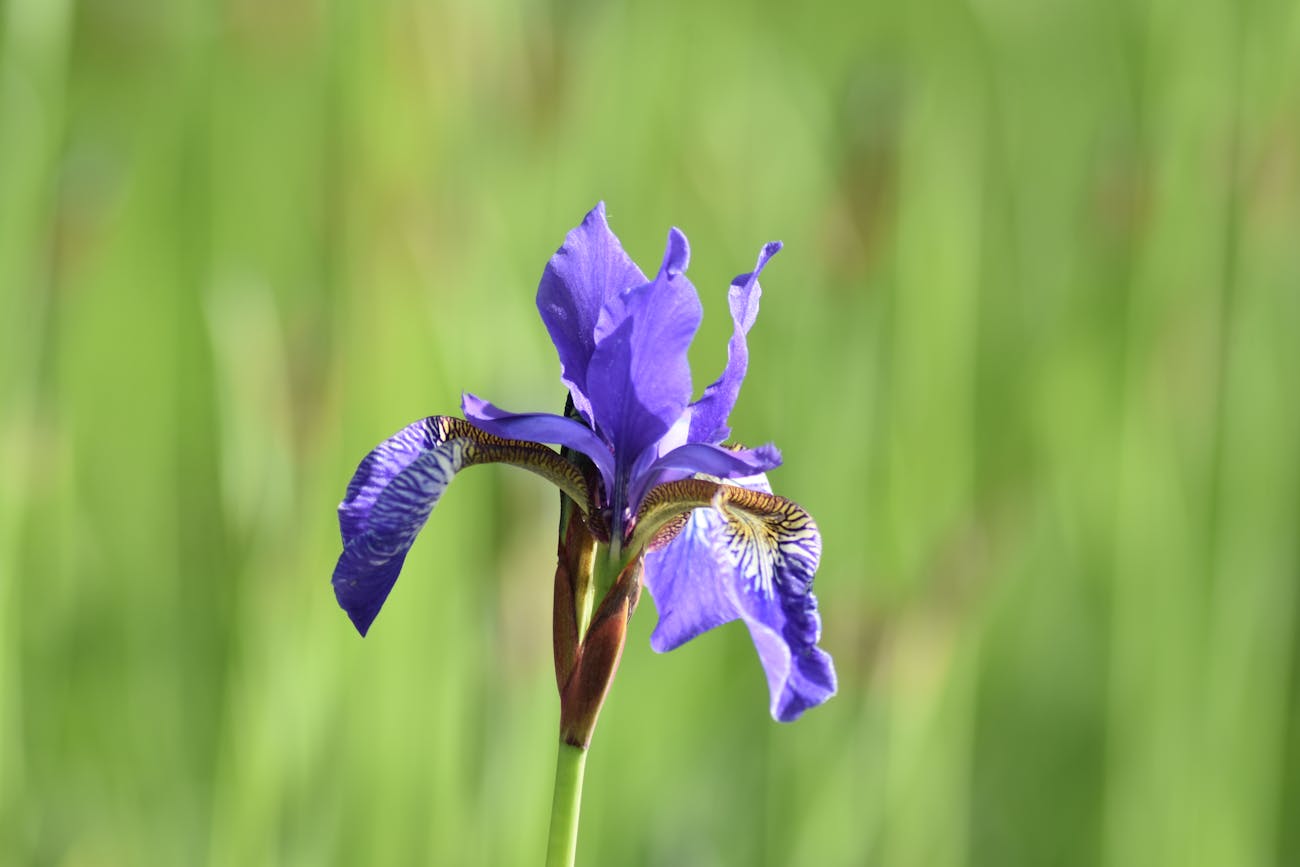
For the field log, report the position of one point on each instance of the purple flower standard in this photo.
(649, 489)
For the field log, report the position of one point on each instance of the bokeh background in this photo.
(1030, 351)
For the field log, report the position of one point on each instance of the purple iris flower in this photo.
(662, 491)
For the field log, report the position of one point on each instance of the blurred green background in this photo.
(1030, 351)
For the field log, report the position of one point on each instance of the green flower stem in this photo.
(606, 569)
(565, 804)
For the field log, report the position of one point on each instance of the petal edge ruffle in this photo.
(709, 413)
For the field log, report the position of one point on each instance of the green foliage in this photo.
(1030, 352)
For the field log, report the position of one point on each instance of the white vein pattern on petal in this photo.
(751, 552)
(775, 553)
(377, 471)
(404, 507)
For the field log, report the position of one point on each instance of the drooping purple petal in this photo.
(378, 469)
(540, 427)
(763, 554)
(639, 379)
(707, 459)
(773, 590)
(709, 413)
(398, 484)
(381, 521)
(584, 273)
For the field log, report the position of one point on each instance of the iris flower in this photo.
(651, 491)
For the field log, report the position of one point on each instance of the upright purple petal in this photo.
(709, 414)
(540, 427)
(639, 379)
(584, 273)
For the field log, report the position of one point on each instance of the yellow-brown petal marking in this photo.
(763, 528)
(480, 447)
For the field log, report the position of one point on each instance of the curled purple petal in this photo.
(706, 459)
(709, 413)
(540, 427)
(639, 379)
(725, 463)
(587, 270)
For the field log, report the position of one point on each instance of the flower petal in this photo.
(540, 427)
(709, 413)
(774, 552)
(762, 553)
(378, 469)
(397, 485)
(688, 581)
(589, 268)
(706, 459)
(639, 379)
